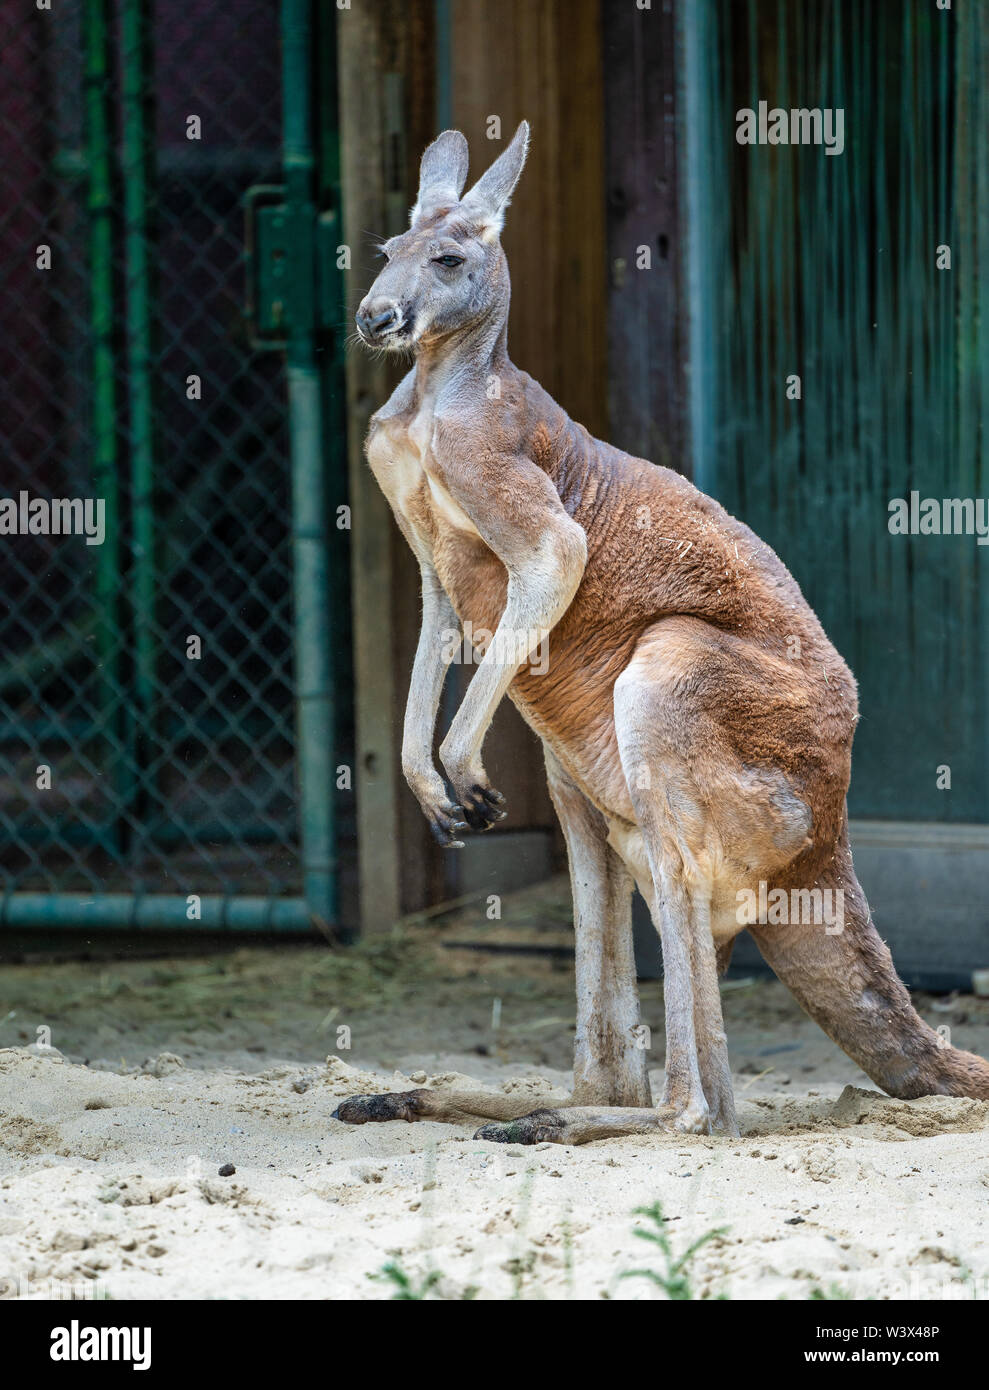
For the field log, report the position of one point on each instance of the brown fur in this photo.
(697, 721)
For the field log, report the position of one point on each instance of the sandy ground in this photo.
(163, 1072)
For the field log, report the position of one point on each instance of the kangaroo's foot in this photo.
(539, 1127)
(449, 1107)
(577, 1125)
(521, 1118)
(519, 1121)
(393, 1105)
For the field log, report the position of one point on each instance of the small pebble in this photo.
(227, 1171)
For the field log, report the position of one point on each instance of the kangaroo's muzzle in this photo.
(376, 321)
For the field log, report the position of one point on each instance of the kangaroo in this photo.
(696, 721)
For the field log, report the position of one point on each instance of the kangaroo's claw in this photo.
(447, 824)
(483, 806)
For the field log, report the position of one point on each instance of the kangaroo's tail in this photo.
(847, 983)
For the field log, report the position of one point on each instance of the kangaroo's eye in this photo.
(449, 262)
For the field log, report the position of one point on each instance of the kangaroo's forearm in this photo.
(434, 652)
(537, 598)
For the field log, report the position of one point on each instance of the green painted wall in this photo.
(825, 266)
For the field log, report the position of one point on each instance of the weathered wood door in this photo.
(839, 362)
(842, 358)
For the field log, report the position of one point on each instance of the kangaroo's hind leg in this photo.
(688, 793)
(672, 836)
(611, 1093)
(610, 1064)
(709, 1027)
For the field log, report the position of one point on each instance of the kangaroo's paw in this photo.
(483, 806)
(540, 1127)
(445, 817)
(447, 824)
(393, 1105)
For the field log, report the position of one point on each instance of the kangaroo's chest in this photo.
(400, 452)
(401, 455)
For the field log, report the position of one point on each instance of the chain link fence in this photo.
(146, 696)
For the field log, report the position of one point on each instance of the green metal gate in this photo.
(169, 735)
(826, 267)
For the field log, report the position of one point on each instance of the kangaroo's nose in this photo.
(372, 324)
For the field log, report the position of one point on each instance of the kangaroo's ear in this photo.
(442, 173)
(488, 199)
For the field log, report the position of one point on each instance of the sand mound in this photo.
(924, 1117)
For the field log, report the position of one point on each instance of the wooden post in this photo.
(385, 54)
(646, 382)
(542, 62)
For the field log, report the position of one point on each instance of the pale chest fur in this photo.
(401, 455)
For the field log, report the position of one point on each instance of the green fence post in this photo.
(97, 41)
(138, 195)
(697, 24)
(313, 652)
